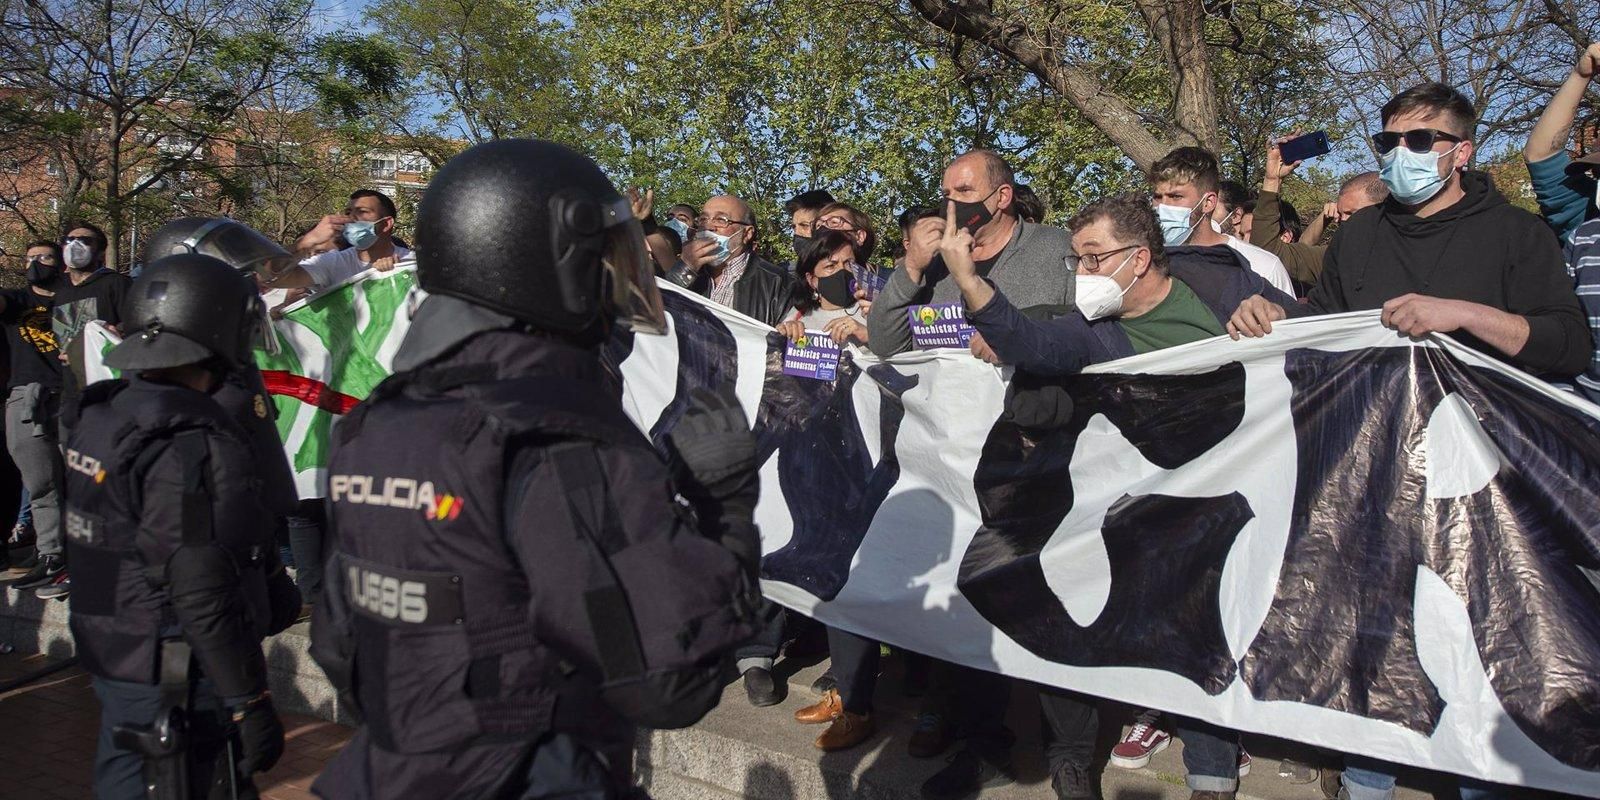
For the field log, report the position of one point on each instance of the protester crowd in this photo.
(1425, 238)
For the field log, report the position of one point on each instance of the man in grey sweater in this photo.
(1024, 261)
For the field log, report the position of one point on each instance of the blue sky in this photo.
(338, 13)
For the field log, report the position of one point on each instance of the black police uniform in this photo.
(160, 481)
(243, 397)
(513, 582)
(455, 601)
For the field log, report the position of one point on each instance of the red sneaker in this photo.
(1142, 741)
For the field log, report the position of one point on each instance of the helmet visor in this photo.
(630, 274)
(239, 246)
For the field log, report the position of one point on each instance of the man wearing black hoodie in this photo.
(87, 291)
(1445, 253)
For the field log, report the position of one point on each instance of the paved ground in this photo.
(50, 727)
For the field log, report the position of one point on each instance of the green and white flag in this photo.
(332, 349)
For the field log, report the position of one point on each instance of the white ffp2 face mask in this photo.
(1098, 296)
(77, 254)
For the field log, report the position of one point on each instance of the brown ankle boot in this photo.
(847, 731)
(824, 710)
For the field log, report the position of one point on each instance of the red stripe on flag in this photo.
(307, 390)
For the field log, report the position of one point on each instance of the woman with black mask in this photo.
(824, 297)
(825, 301)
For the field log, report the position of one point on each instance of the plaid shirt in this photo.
(722, 284)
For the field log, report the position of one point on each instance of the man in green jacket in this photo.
(1304, 258)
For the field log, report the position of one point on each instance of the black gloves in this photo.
(715, 465)
(260, 735)
(717, 454)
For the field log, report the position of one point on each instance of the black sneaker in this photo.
(44, 572)
(967, 775)
(60, 586)
(1073, 782)
(761, 688)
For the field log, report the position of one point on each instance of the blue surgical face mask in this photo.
(720, 257)
(1175, 224)
(679, 226)
(361, 234)
(1413, 178)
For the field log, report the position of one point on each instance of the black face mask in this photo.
(836, 289)
(973, 216)
(42, 274)
(801, 244)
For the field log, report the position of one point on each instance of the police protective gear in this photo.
(577, 259)
(144, 562)
(185, 309)
(517, 576)
(243, 393)
(260, 735)
(716, 458)
(230, 241)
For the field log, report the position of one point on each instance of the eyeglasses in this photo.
(1094, 260)
(719, 222)
(1417, 141)
(835, 223)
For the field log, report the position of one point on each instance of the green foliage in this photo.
(768, 98)
(351, 75)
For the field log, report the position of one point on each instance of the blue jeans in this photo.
(307, 549)
(1369, 779)
(25, 511)
(1210, 755)
(118, 772)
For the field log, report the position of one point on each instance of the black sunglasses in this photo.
(1417, 141)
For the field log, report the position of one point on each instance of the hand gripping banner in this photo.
(1332, 534)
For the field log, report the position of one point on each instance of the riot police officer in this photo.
(171, 548)
(516, 579)
(243, 393)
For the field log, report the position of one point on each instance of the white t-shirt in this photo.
(1265, 264)
(337, 266)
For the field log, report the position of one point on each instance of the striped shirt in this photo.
(1583, 264)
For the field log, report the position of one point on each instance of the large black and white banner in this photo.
(1332, 534)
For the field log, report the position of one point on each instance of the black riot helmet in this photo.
(534, 230)
(185, 309)
(236, 244)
